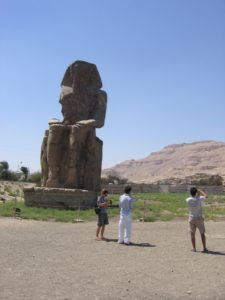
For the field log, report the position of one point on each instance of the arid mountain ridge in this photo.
(178, 161)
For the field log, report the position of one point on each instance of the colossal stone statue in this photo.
(71, 154)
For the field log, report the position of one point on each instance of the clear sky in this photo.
(162, 64)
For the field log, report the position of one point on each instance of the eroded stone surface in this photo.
(60, 198)
(71, 154)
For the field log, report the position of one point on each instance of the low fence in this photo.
(162, 188)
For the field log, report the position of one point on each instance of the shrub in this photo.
(35, 177)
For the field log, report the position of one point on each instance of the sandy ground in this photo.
(48, 260)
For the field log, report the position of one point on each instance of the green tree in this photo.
(209, 180)
(25, 171)
(4, 170)
(113, 179)
(215, 180)
(35, 178)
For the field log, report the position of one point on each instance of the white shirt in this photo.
(125, 204)
(195, 206)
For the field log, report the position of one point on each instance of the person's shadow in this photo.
(214, 252)
(132, 244)
(141, 245)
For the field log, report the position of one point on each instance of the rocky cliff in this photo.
(177, 161)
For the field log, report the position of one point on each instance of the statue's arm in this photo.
(99, 112)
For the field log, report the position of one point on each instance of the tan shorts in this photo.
(197, 223)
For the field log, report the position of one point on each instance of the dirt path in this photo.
(59, 261)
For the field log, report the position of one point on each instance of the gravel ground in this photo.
(61, 261)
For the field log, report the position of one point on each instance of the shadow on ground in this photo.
(133, 244)
(214, 252)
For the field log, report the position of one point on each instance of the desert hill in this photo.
(174, 161)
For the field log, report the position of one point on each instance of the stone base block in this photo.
(59, 198)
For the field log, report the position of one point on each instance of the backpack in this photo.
(97, 210)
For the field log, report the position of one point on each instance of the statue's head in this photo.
(81, 81)
(82, 75)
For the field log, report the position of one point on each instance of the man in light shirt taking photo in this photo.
(195, 216)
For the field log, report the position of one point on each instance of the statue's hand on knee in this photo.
(84, 123)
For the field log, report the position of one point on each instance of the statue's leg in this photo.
(82, 159)
(98, 163)
(91, 175)
(54, 154)
(73, 157)
(44, 163)
(78, 157)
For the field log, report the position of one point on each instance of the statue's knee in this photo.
(56, 128)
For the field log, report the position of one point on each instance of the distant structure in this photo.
(71, 154)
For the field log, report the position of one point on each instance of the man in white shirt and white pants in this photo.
(195, 216)
(125, 222)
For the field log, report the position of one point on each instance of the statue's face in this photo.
(85, 75)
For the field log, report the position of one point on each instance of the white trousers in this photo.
(125, 228)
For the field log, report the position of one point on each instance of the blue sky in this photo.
(162, 65)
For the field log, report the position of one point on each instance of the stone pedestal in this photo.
(59, 198)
